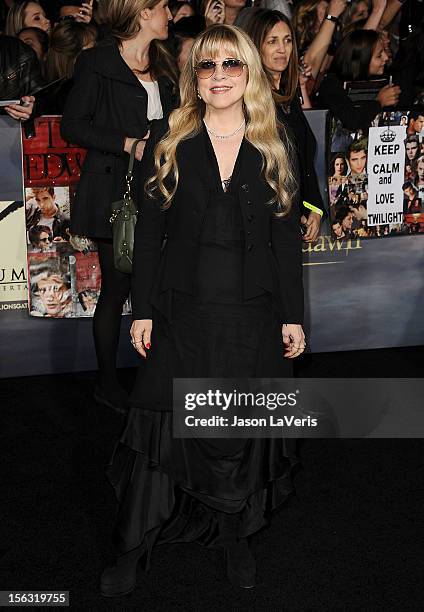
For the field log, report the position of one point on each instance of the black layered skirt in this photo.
(173, 489)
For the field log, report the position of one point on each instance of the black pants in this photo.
(114, 292)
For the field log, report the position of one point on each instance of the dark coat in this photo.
(306, 146)
(106, 104)
(273, 250)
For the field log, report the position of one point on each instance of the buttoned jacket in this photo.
(107, 103)
(166, 242)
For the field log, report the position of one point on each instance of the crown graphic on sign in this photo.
(388, 135)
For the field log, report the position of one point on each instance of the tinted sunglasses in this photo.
(206, 68)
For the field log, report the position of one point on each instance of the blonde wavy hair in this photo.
(259, 110)
(15, 21)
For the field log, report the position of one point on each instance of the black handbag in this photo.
(123, 220)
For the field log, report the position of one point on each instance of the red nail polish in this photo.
(148, 345)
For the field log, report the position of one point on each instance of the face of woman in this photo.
(379, 59)
(30, 39)
(221, 91)
(360, 12)
(35, 17)
(339, 166)
(184, 11)
(277, 48)
(158, 19)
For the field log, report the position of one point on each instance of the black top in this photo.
(332, 95)
(305, 144)
(221, 240)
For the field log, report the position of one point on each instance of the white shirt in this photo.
(154, 105)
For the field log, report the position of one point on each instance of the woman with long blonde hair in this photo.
(216, 293)
(26, 14)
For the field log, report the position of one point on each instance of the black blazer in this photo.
(273, 250)
(106, 104)
(332, 95)
(306, 146)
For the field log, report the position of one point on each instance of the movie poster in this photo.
(376, 177)
(63, 270)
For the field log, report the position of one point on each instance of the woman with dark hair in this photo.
(180, 9)
(182, 37)
(360, 57)
(68, 39)
(338, 165)
(273, 36)
(123, 88)
(337, 176)
(38, 40)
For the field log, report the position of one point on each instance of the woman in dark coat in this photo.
(123, 89)
(223, 298)
(274, 38)
(361, 56)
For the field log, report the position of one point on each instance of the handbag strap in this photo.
(129, 175)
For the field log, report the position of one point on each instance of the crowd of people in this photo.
(227, 192)
(336, 41)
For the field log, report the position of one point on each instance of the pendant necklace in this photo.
(227, 135)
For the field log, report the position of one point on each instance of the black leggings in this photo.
(114, 291)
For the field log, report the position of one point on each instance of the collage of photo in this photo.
(64, 271)
(348, 179)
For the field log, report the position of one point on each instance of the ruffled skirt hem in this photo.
(172, 490)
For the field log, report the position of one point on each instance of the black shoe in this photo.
(241, 564)
(118, 580)
(118, 401)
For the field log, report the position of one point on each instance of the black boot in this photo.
(120, 579)
(241, 564)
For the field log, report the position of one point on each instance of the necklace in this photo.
(226, 135)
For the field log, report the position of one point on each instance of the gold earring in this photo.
(198, 95)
